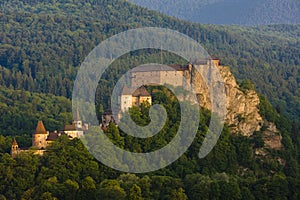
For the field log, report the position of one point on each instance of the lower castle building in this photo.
(41, 138)
(129, 99)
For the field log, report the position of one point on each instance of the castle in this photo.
(159, 75)
(41, 138)
(174, 75)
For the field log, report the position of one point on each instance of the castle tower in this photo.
(77, 122)
(215, 60)
(14, 149)
(39, 137)
(126, 99)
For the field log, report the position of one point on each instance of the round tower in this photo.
(39, 137)
(14, 148)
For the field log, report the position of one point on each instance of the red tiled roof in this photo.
(52, 136)
(70, 127)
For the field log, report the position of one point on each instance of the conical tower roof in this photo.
(40, 128)
(15, 142)
(77, 117)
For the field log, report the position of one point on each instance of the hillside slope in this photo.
(20, 111)
(42, 45)
(243, 12)
(44, 42)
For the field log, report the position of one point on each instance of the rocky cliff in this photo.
(242, 106)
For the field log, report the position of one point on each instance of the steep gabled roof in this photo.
(54, 135)
(126, 91)
(141, 92)
(70, 127)
(40, 128)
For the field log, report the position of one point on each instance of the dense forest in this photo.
(43, 43)
(231, 171)
(20, 110)
(243, 12)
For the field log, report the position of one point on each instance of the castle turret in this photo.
(77, 121)
(39, 137)
(14, 149)
(215, 60)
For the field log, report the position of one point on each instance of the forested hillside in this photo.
(233, 170)
(44, 42)
(243, 12)
(20, 110)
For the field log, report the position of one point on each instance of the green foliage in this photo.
(68, 171)
(140, 115)
(252, 13)
(178, 195)
(230, 171)
(20, 111)
(68, 30)
(267, 110)
(135, 193)
(246, 85)
(113, 134)
(110, 189)
(257, 139)
(41, 50)
(5, 144)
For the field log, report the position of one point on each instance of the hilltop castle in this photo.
(175, 75)
(41, 138)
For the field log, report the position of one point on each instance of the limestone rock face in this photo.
(242, 107)
(272, 137)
